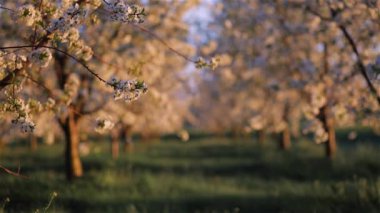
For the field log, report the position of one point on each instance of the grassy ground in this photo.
(204, 175)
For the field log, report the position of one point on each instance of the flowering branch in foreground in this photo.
(53, 28)
(129, 90)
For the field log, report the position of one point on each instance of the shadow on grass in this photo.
(226, 160)
(279, 203)
(247, 164)
(268, 163)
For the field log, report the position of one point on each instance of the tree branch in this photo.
(5, 8)
(350, 40)
(361, 66)
(163, 42)
(50, 93)
(60, 51)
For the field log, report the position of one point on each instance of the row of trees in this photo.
(284, 67)
(288, 66)
(56, 62)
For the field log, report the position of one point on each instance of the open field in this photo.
(203, 175)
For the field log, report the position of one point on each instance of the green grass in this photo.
(204, 175)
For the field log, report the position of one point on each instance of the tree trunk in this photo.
(331, 146)
(325, 116)
(2, 144)
(285, 142)
(72, 158)
(115, 144)
(49, 138)
(328, 125)
(261, 137)
(126, 136)
(33, 143)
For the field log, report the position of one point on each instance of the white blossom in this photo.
(23, 120)
(128, 90)
(40, 57)
(121, 11)
(86, 53)
(201, 63)
(316, 127)
(28, 15)
(50, 104)
(26, 125)
(103, 125)
(183, 135)
(72, 17)
(71, 35)
(80, 49)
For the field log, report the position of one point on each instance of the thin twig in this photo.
(80, 62)
(63, 52)
(5, 8)
(12, 173)
(315, 13)
(50, 93)
(163, 42)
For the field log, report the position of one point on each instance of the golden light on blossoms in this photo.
(283, 83)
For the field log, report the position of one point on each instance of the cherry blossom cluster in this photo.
(28, 15)
(319, 133)
(50, 104)
(22, 110)
(57, 27)
(317, 100)
(73, 16)
(75, 45)
(183, 135)
(103, 125)
(120, 10)
(25, 124)
(128, 90)
(80, 49)
(201, 63)
(40, 57)
(10, 61)
(70, 35)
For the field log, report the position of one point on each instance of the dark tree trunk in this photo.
(33, 143)
(285, 142)
(2, 144)
(328, 125)
(331, 146)
(325, 116)
(73, 164)
(115, 144)
(72, 159)
(261, 137)
(126, 136)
